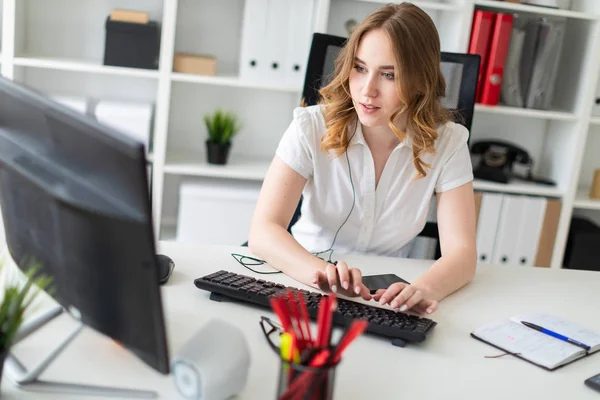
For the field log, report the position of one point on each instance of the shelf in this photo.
(232, 81)
(526, 112)
(83, 66)
(238, 167)
(583, 200)
(427, 5)
(518, 188)
(525, 8)
(595, 121)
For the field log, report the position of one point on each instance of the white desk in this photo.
(448, 365)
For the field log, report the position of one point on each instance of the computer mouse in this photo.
(165, 268)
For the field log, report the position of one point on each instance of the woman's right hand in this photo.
(341, 279)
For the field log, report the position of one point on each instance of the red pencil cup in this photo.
(302, 382)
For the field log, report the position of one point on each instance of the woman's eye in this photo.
(388, 75)
(358, 68)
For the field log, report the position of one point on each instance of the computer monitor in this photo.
(74, 196)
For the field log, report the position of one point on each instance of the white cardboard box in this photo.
(77, 103)
(129, 117)
(213, 212)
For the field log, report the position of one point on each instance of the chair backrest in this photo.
(460, 72)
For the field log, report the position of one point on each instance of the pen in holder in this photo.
(307, 362)
(300, 382)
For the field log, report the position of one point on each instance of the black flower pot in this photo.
(217, 153)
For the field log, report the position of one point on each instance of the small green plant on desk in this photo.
(16, 300)
(222, 127)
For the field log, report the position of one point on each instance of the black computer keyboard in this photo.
(400, 327)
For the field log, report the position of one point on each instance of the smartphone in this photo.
(375, 282)
(594, 382)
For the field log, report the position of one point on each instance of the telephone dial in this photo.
(497, 161)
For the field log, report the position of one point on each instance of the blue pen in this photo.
(556, 335)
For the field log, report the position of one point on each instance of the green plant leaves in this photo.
(17, 300)
(221, 126)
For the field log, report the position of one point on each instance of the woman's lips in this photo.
(368, 109)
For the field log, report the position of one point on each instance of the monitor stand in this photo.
(29, 379)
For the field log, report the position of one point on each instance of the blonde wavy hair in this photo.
(419, 81)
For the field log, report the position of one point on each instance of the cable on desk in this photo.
(256, 261)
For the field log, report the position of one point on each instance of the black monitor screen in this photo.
(74, 197)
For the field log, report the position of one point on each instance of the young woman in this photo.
(368, 161)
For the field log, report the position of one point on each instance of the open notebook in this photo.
(537, 347)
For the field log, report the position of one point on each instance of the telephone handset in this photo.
(497, 159)
(502, 150)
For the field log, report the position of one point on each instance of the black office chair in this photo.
(460, 72)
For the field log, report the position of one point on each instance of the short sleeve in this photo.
(457, 170)
(295, 145)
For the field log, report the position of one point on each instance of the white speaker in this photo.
(213, 364)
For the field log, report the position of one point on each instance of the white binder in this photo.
(508, 229)
(531, 221)
(550, 40)
(511, 93)
(487, 224)
(254, 35)
(299, 39)
(278, 20)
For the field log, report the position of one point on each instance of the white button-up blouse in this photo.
(385, 218)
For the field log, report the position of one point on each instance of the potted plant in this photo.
(221, 126)
(16, 300)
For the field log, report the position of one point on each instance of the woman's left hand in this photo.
(406, 297)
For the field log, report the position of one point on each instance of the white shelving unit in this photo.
(426, 5)
(584, 202)
(526, 112)
(526, 8)
(241, 167)
(82, 66)
(233, 81)
(518, 188)
(58, 48)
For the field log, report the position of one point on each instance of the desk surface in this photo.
(449, 364)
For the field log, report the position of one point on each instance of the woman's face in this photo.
(372, 80)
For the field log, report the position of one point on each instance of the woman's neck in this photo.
(382, 137)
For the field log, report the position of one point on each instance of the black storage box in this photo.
(132, 45)
(583, 245)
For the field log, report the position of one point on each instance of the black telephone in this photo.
(497, 159)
